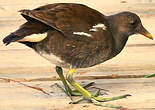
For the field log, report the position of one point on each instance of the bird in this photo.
(72, 35)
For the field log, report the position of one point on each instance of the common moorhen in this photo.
(75, 36)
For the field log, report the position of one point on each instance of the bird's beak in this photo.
(143, 31)
(148, 35)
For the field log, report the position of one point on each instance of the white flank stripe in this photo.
(100, 26)
(93, 30)
(82, 34)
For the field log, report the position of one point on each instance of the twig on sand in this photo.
(150, 75)
(33, 87)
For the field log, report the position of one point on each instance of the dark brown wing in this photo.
(66, 18)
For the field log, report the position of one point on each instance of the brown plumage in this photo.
(77, 35)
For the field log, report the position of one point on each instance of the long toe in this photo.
(102, 99)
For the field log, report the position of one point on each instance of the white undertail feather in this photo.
(34, 38)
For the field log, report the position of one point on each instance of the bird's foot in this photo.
(66, 87)
(95, 94)
(97, 101)
(76, 92)
(92, 98)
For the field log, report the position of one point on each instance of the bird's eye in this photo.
(133, 23)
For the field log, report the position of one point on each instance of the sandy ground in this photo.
(19, 61)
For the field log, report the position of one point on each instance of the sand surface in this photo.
(19, 61)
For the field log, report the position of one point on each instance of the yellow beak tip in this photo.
(148, 35)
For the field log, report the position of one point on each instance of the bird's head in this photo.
(128, 23)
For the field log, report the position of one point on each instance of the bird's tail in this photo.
(11, 38)
(26, 29)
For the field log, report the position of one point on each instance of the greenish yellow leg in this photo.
(77, 93)
(66, 87)
(82, 98)
(94, 99)
(84, 92)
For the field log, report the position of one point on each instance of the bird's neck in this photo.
(119, 37)
(119, 43)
